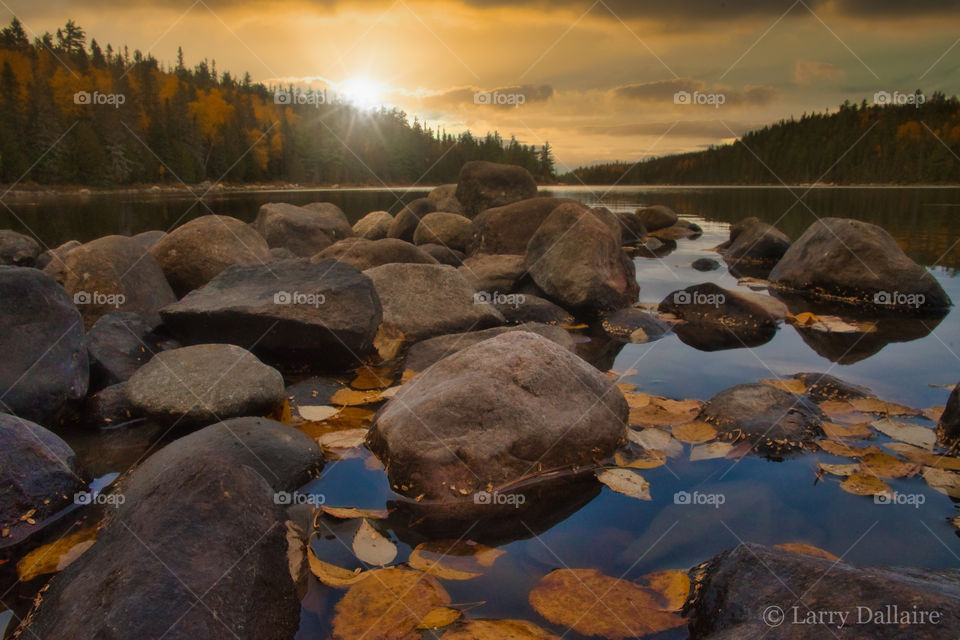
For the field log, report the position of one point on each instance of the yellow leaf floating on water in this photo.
(842, 470)
(346, 513)
(369, 378)
(626, 387)
(858, 431)
(695, 432)
(663, 412)
(905, 432)
(790, 385)
(656, 440)
(710, 451)
(497, 630)
(317, 413)
(933, 414)
(808, 550)
(860, 484)
(846, 450)
(875, 405)
(802, 319)
(388, 605)
(637, 400)
(354, 398)
(943, 481)
(453, 560)
(924, 457)
(439, 617)
(371, 547)
(626, 482)
(883, 465)
(593, 604)
(57, 555)
(673, 587)
(345, 439)
(332, 575)
(648, 459)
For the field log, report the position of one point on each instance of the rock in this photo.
(508, 229)
(373, 226)
(577, 261)
(332, 219)
(739, 589)
(683, 229)
(203, 384)
(443, 255)
(44, 365)
(57, 254)
(317, 313)
(447, 229)
(632, 229)
(112, 274)
(444, 198)
(526, 307)
(108, 408)
(654, 248)
(148, 239)
(773, 421)
(38, 472)
(717, 318)
(493, 413)
(405, 224)
(423, 354)
(822, 387)
(201, 553)
(705, 264)
(756, 242)
(948, 428)
(194, 254)
(635, 325)
(17, 249)
(484, 185)
(424, 300)
(608, 218)
(282, 253)
(493, 273)
(857, 262)
(367, 254)
(301, 231)
(119, 344)
(657, 217)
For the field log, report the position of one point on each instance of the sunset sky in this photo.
(598, 79)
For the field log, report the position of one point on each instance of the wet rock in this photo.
(683, 229)
(312, 391)
(44, 365)
(112, 274)
(599, 349)
(405, 223)
(282, 253)
(634, 325)
(705, 264)
(367, 254)
(657, 217)
(493, 413)
(332, 219)
(17, 249)
(654, 247)
(119, 344)
(493, 273)
(948, 428)
(527, 307)
(302, 231)
(753, 241)
(444, 198)
(202, 384)
(716, 318)
(739, 588)
(109, 408)
(373, 226)
(447, 229)
(822, 387)
(484, 185)
(577, 261)
(860, 263)
(57, 254)
(194, 254)
(38, 472)
(318, 313)
(423, 354)
(424, 300)
(148, 239)
(201, 553)
(508, 229)
(773, 421)
(632, 229)
(443, 255)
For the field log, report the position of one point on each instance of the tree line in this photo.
(86, 115)
(911, 141)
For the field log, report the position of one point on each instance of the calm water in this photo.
(766, 502)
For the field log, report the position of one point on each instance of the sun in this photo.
(362, 92)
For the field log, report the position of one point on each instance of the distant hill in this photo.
(901, 144)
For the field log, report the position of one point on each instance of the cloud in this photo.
(664, 91)
(500, 97)
(807, 72)
(685, 129)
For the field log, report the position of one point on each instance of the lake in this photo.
(764, 501)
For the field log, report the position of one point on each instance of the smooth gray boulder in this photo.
(756, 242)
(508, 229)
(302, 231)
(367, 254)
(447, 229)
(443, 255)
(373, 226)
(484, 185)
(119, 344)
(444, 198)
(716, 318)
(332, 218)
(656, 217)
(423, 354)
(493, 273)
(18, 250)
(405, 223)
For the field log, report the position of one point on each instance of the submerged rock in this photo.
(526, 307)
(44, 365)
(657, 217)
(447, 229)
(716, 318)
(17, 249)
(423, 354)
(302, 231)
(705, 264)
(508, 229)
(493, 413)
(822, 387)
(635, 325)
(753, 241)
(373, 226)
(367, 254)
(484, 185)
(119, 344)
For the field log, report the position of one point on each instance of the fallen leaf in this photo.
(924, 457)
(943, 481)
(790, 385)
(694, 432)
(332, 575)
(345, 439)
(626, 387)
(933, 414)
(905, 432)
(346, 513)
(626, 482)
(371, 547)
(388, 342)
(858, 431)
(282, 413)
(808, 550)
(875, 405)
(637, 400)
(656, 440)
(56, 555)
(386, 394)
(369, 378)
(408, 375)
(663, 412)
(353, 398)
(884, 465)
(861, 484)
(845, 450)
(593, 604)
(453, 560)
(673, 587)
(842, 470)
(439, 617)
(710, 451)
(497, 630)
(317, 413)
(647, 459)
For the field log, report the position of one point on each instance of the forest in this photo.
(79, 114)
(917, 143)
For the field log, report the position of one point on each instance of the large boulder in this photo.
(331, 218)
(948, 427)
(321, 313)
(493, 272)
(576, 259)
(634, 325)
(484, 185)
(203, 384)
(448, 229)
(527, 307)
(508, 229)
(367, 254)
(39, 475)
(195, 253)
(443, 254)
(57, 254)
(17, 249)
(373, 226)
(656, 217)
(754, 591)
(148, 239)
(112, 274)
(444, 198)
(302, 231)
(632, 229)
(119, 344)
(44, 365)
(857, 262)
(758, 243)
(424, 300)
(494, 413)
(405, 224)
